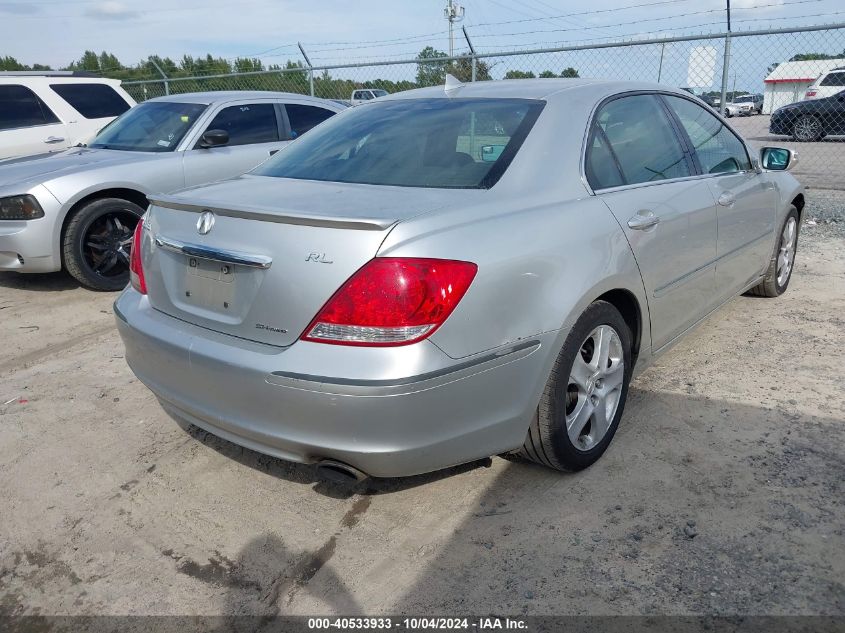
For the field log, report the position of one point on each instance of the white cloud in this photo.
(110, 10)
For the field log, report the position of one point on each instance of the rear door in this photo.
(746, 200)
(256, 131)
(27, 125)
(95, 105)
(637, 164)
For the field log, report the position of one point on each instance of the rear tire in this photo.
(782, 263)
(584, 397)
(807, 129)
(97, 243)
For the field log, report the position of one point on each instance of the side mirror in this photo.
(778, 158)
(214, 138)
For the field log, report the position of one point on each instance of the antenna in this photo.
(454, 13)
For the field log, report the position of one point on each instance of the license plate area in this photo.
(210, 285)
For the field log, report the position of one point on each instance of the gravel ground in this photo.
(827, 210)
(722, 492)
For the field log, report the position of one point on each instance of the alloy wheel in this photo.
(786, 253)
(107, 243)
(806, 128)
(595, 387)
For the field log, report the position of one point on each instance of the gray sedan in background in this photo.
(77, 209)
(443, 275)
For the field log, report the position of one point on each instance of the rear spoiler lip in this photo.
(272, 215)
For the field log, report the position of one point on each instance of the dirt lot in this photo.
(721, 494)
(820, 165)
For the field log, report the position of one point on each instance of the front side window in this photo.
(719, 151)
(93, 101)
(154, 126)
(443, 143)
(834, 79)
(303, 117)
(248, 123)
(641, 137)
(21, 108)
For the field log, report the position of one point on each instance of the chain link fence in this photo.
(747, 75)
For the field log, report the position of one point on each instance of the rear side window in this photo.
(248, 123)
(834, 79)
(641, 137)
(719, 151)
(21, 108)
(93, 101)
(602, 171)
(303, 117)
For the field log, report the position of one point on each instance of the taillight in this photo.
(392, 301)
(136, 268)
(810, 93)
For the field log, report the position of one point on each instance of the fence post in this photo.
(310, 68)
(726, 68)
(161, 72)
(472, 52)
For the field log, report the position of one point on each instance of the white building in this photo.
(789, 81)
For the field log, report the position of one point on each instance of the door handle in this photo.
(643, 220)
(54, 139)
(273, 151)
(727, 199)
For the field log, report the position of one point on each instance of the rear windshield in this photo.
(441, 143)
(155, 126)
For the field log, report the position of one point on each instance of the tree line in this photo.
(199, 74)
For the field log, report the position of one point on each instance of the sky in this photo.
(56, 32)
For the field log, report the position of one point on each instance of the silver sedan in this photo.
(77, 209)
(443, 275)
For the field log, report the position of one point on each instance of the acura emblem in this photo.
(205, 223)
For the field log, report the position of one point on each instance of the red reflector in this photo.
(136, 268)
(392, 301)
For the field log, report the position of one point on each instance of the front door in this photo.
(255, 134)
(746, 201)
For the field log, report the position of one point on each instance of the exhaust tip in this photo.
(338, 472)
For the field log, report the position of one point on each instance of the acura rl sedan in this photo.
(443, 275)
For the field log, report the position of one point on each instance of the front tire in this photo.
(782, 263)
(585, 395)
(97, 243)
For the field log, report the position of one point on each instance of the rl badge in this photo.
(205, 222)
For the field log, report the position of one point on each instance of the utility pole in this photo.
(454, 13)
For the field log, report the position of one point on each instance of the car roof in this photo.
(223, 96)
(544, 89)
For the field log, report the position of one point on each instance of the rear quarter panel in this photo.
(540, 263)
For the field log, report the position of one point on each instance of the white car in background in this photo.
(43, 112)
(366, 94)
(827, 84)
(739, 109)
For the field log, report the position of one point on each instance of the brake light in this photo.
(392, 301)
(136, 268)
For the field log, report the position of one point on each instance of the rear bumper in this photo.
(386, 411)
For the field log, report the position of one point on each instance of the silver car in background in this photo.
(77, 209)
(444, 275)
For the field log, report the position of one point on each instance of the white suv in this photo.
(827, 84)
(43, 112)
(366, 94)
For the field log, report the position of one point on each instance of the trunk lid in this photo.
(277, 251)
